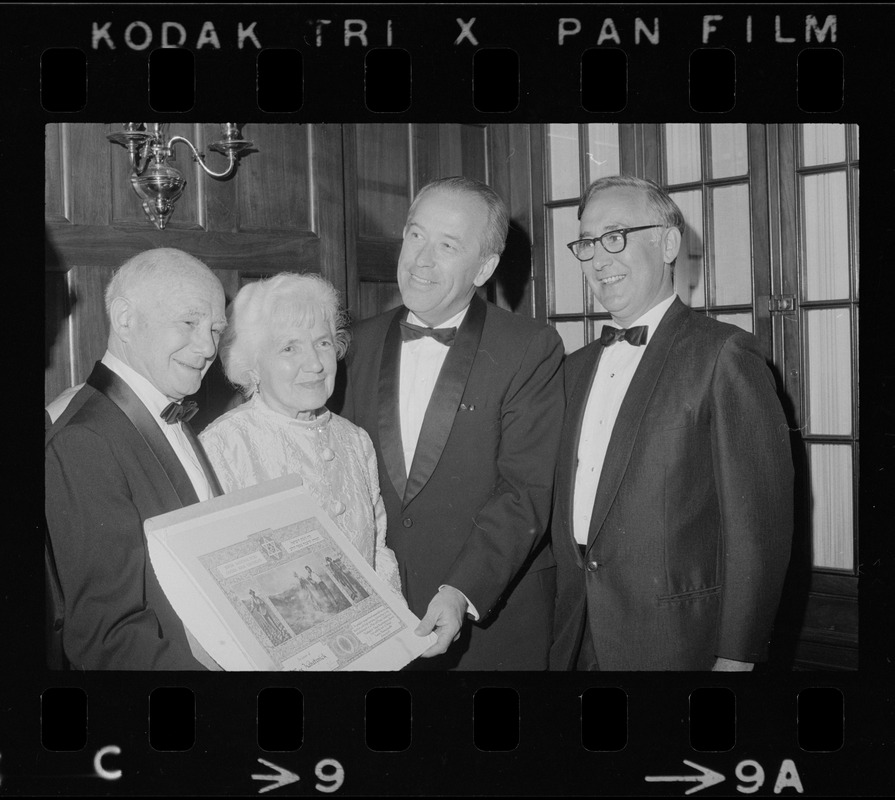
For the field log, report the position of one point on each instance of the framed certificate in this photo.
(264, 580)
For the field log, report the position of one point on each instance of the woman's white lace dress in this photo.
(253, 443)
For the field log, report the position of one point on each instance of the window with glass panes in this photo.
(826, 168)
(576, 155)
(705, 169)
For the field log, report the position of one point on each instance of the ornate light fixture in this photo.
(156, 182)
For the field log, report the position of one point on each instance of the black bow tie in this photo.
(635, 335)
(179, 412)
(409, 332)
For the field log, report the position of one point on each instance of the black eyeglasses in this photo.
(613, 242)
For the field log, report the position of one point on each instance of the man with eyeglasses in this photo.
(672, 519)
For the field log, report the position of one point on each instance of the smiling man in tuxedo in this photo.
(673, 510)
(463, 403)
(121, 452)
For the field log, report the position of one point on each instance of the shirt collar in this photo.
(651, 318)
(453, 322)
(151, 397)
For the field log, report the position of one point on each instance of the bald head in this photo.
(148, 273)
(166, 315)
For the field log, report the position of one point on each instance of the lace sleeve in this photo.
(385, 563)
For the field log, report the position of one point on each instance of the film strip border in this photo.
(388, 82)
(483, 734)
(478, 734)
(457, 62)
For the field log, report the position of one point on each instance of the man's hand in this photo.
(729, 665)
(445, 616)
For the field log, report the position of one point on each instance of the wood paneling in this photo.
(106, 246)
(377, 297)
(90, 155)
(349, 194)
(221, 212)
(274, 184)
(426, 157)
(761, 236)
(378, 261)
(90, 327)
(510, 156)
(383, 179)
(474, 152)
(329, 205)
(187, 213)
(817, 626)
(54, 170)
(230, 280)
(449, 152)
(57, 339)
(538, 172)
(813, 655)
(378, 189)
(828, 636)
(442, 151)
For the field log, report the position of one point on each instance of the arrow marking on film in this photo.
(283, 777)
(708, 777)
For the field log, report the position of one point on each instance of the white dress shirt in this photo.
(616, 368)
(155, 402)
(421, 363)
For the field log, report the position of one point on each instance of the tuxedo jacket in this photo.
(692, 522)
(108, 468)
(474, 509)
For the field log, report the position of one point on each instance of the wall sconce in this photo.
(156, 182)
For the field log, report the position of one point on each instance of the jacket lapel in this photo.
(108, 383)
(446, 396)
(390, 443)
(627, 425)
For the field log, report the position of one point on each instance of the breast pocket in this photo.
(477, 422)
(475, 411)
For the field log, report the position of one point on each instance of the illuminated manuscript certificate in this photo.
(264, 580)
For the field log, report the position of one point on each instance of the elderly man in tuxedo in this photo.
(463, 403)
(673, 507)
(122, 451)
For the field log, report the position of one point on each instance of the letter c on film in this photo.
(109, 775)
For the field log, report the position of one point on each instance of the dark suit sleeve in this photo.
(512, 522)
(753, 470)
(98, 543)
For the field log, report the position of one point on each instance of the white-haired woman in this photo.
(280, 348)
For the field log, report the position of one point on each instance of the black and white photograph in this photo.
(557, 313)
(724, 482)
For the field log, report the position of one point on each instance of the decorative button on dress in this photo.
(253, 443)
